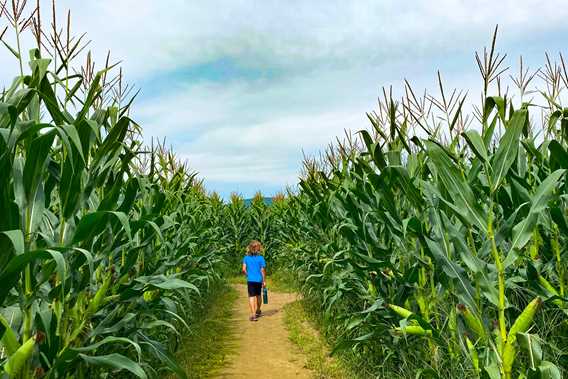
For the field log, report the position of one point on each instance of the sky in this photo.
(241, 89)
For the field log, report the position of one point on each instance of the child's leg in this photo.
(252, 305)
(258, 302)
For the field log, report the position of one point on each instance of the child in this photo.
(254, 267)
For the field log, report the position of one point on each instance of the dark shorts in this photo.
(254, 288)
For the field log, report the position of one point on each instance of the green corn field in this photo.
(435, 246)
(106, 244)
(431, 245)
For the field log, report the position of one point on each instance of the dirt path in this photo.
(263, 349)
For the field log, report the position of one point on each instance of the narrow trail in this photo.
(262, 348)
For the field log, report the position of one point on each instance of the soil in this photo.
(262, 348)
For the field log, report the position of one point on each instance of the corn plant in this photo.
(436, 245)
(107, 246)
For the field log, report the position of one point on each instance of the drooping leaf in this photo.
(523, 230)
(476, 144)
(461, 194)
(115, 361)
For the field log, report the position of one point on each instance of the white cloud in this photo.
(330, 58)
(154, 35)
(253, 128)
(251, 167)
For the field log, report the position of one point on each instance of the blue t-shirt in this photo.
(254, 264)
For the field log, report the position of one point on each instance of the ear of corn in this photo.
(17, 359)
(525, 319)
(521, 325)
(472, 321)
(402, 312)
(413, 330)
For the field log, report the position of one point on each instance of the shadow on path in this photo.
(270, 312)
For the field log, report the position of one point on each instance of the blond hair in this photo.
(254, 247)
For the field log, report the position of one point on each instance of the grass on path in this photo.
(207, 349)
(305, 332)
(312, 345)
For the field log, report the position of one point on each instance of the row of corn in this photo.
(107, 247)
(436, 244)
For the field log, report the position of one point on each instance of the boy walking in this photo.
(254, 267)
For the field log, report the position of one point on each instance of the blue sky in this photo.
(241, 88)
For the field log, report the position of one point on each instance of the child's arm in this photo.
(263, 271)
(244, 270)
